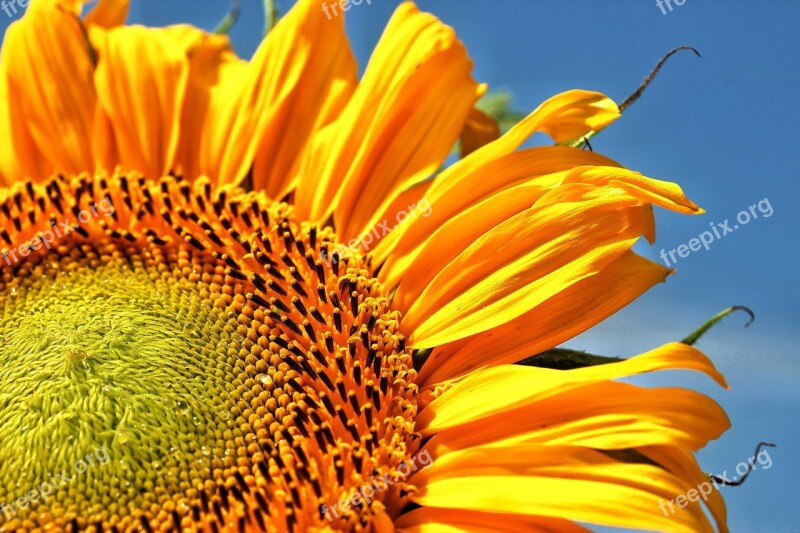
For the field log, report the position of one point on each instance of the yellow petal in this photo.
(257, 110)
(320, 95)
(141, 82)
(565, 116)
(542, 251)
(661, 193)
(557, 481)
(605, 416)
(463, 283)
(683, 464)
(557, 320)
(586, 111)
(436, 520)
(485, 393)
(472, 181)
(397, 129)
(662, 424)
(672, 356)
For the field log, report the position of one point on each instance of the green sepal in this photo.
(497, 104)
(564, 359)
(420, 357)
(271, 15)
(230, 19)
(699, 332)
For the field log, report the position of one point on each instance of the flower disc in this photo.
(202, 367)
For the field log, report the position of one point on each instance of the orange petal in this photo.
(108, 13)
(67, 6)
(401, 159)
(20, 159)
(212, 64)
(141, 81)
(47, 60)
(480, 129)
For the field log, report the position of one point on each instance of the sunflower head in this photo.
(250, 296)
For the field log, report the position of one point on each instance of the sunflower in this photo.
(253, 295)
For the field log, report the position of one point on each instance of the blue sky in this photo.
(724, 127)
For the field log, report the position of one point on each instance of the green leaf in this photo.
(271, 15)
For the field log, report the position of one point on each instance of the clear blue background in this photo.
(724, 127)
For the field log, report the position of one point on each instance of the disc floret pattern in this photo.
(234, 377)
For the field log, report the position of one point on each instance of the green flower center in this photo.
(113, 381)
